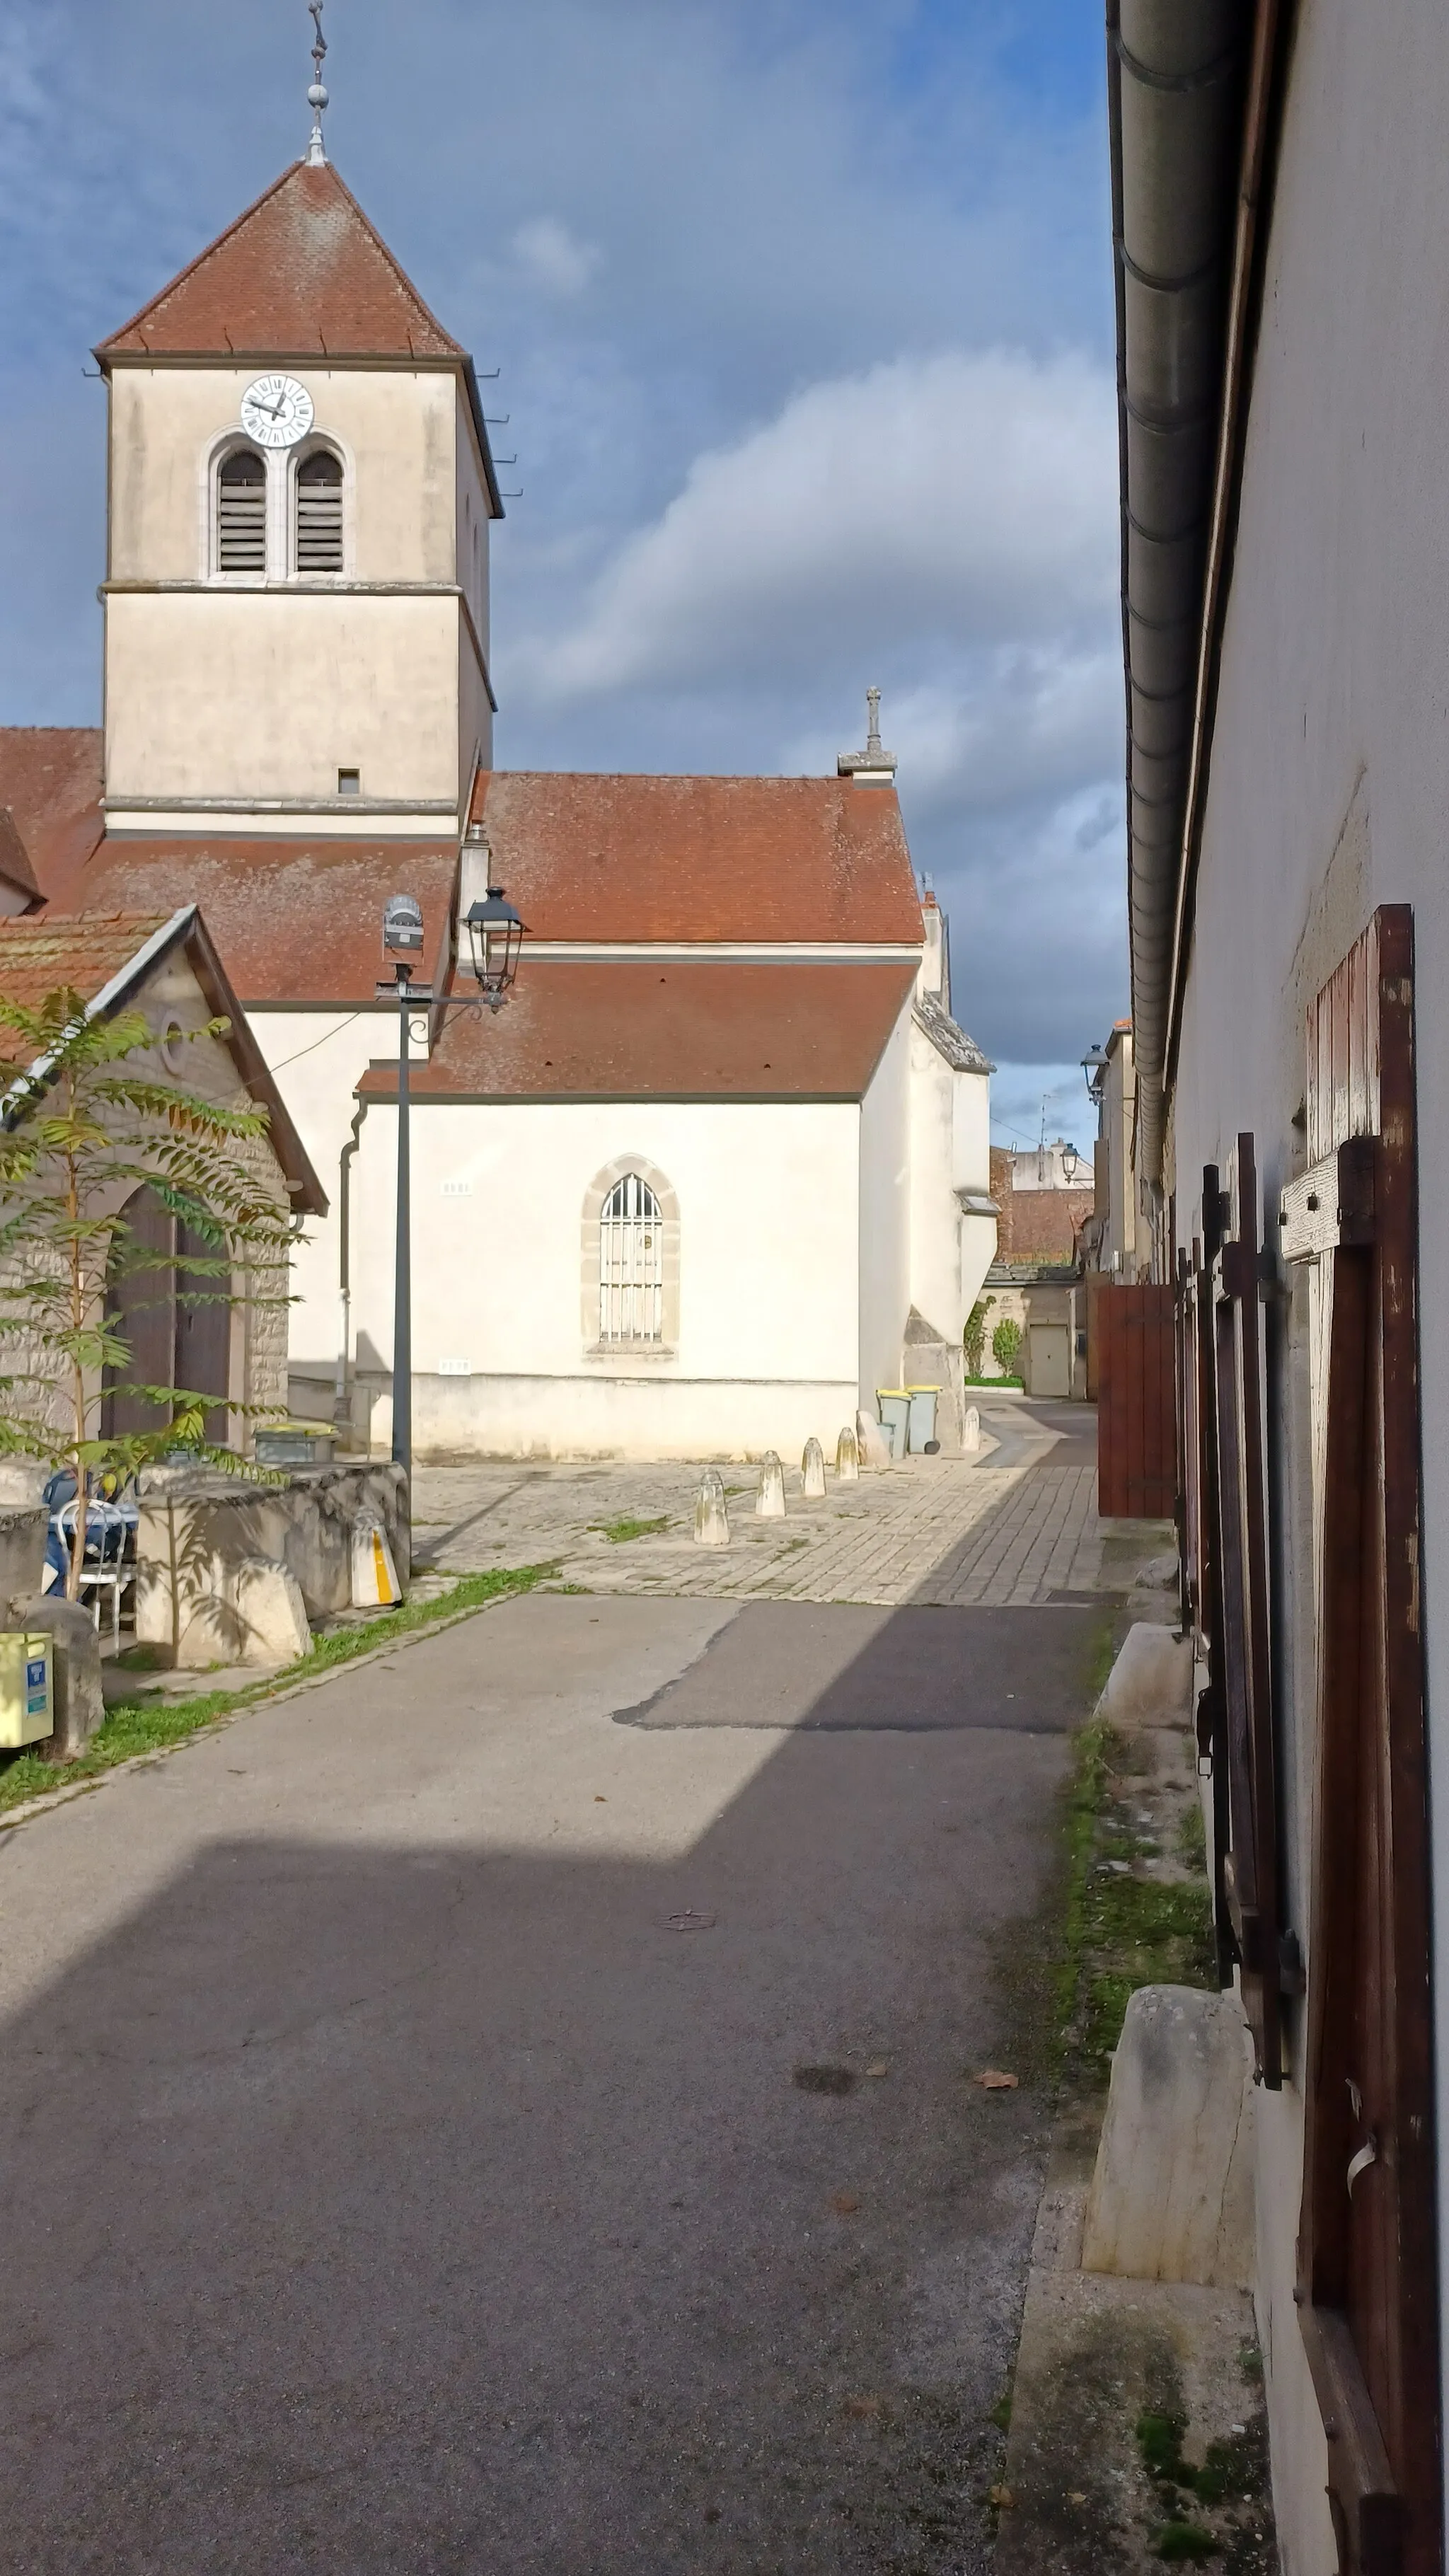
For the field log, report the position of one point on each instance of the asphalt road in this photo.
(437, 2126)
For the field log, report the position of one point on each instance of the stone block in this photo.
(1150, 1683)
(871, 1443)
(847, 1457)
(79, 1703)
(971, 1431)
(711, 1516)
(1172, 2193)
(812, 1468)
(198, 1528)
(270, 1612)
(770, 1501)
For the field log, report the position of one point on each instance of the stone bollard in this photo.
(711, 1518)
(971, 1428)
(76, 1665)
(871, 1442)
(812, 1467)
(271, 1620)
(1172, 2194)
(847, 1458)
(770, 1503)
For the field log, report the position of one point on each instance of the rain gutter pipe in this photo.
(1190, 84)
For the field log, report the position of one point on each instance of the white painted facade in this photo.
(1328, 795)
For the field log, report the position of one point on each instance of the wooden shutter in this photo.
(1136, 1404)
(1242, 1674)
(1367, 2251)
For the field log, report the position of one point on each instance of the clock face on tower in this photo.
(276, 411)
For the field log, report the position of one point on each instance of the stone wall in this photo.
(202, 1536)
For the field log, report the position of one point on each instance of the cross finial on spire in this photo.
(317, 94)
(872, 720)
(873, 766)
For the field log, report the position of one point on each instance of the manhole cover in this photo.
(689, 1921)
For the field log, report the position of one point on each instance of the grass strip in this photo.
(150, 1724)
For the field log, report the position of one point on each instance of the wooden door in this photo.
(1367, 2254)
(175, 1324)
(1136, 1403)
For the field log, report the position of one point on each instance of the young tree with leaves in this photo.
(87, 1122)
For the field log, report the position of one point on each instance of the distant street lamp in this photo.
(495, 936)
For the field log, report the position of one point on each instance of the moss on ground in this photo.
(152, 1723)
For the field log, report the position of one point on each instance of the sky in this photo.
(802, 318)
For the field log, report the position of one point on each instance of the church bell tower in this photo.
(301, 492)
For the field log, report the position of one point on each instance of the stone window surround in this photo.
(629, 1354)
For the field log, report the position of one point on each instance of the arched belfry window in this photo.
(631, 1261)
(241, 512)
(319, 513)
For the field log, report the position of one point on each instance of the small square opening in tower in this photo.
(349, 782)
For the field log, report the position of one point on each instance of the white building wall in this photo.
(768, 1235)
(884, 1238)
(935, 1213)
(1328, 796)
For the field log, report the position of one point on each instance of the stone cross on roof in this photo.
(871, 767)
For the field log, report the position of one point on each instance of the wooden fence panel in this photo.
(1137, 1465)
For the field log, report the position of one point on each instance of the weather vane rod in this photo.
(317, 94)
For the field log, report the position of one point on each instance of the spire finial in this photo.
(872, 721)
(317, 94)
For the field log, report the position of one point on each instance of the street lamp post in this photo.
(495, 935)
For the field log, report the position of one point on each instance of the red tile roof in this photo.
(59, 951)
(300, 274)
(630, 1031)
(295, 921)
(50, 778)
(15, 865)
(599, 857)
(41, 956)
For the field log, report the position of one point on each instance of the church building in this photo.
(719, 1168)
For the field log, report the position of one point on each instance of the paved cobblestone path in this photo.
(1016, 1526)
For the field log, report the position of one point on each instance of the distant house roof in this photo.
(50, 781)
(629, 1030)
(300, 275)
(949, 1038)
(598, 857)
(107, 958)
(296, 921)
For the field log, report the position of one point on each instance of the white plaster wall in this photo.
(1329, 794)
(935, 1214)
(258, 693)
(317, 1059)
(768, 1337)
(396, 428)
(885, 1215)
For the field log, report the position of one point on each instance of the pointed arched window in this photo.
(319, 513)
(631, 1264)
(241, 512)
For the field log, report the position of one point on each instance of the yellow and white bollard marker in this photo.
(374, 1576)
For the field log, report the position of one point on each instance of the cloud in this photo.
(551, 257)
(964, 496)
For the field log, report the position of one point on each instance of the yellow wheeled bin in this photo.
(27, 1689)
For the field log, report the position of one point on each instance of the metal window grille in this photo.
(319, 515)
(631, 1264)
(241, 513)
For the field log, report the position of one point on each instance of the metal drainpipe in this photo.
(341, 1410)
(1175, 83)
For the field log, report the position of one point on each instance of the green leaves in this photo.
(123, 1196)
